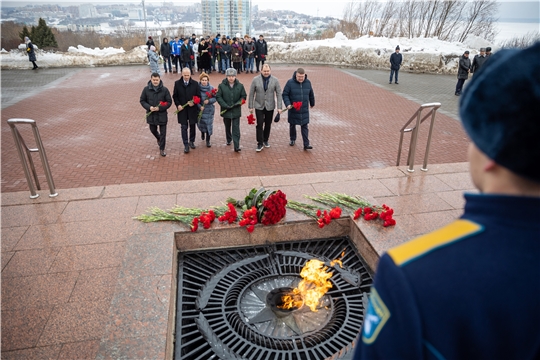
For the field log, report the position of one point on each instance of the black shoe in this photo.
(266, 144)
(186, 149)
(291, 143)
(397, 83)
(309, 147)
(228, 142)
(252, 71)
(202, 136)
(163, 153)
(259, 148)
(165, 71)
(192, 145)
(237, 150)
(157, 142)
(457, 94)
(390, 82)
(208, 144)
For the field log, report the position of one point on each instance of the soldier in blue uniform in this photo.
(471, 290)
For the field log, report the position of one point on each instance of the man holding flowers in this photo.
(156, 99)
(299, 90)
(262, 94)
(230, 96)
(185, 90)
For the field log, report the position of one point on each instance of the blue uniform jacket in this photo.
(470, 290)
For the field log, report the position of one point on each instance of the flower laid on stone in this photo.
(161, 103)
(251, 119)
(195, 101)
(274, 208)
(249, 219)
(240, 103)
(322, 216)
(230, 215)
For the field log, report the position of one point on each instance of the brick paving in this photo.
(91, 124)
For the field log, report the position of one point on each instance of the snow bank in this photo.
(426, 55)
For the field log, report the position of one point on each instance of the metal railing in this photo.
(19, 143)
(414, 135)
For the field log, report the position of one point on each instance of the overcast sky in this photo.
(509, 8)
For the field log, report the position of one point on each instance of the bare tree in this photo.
(387, 18)
(479, 19)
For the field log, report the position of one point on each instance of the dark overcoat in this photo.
(30, 51)
(186, 53)
(395, 61)
(228, 98)
(153, 97)
(295, 91)
(181, 95)
(464, 67)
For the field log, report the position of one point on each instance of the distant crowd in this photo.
(208, 54)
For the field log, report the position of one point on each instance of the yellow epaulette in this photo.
(424, 244)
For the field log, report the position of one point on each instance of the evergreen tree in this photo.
(42, 35)
(24, 33)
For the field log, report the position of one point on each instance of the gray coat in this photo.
(464, 67)
(154, 58)
(206, 122)
(261, 99)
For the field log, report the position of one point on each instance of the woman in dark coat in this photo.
(236, 56)
(156, 99)
(206, 122)
(463, 72)
(205, 56)
(31, 53)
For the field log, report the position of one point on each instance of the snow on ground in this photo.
(419, 54)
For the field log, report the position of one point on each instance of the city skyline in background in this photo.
(516, 10)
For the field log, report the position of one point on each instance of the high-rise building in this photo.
(87, 11)
(227, 17)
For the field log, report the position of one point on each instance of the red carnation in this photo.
(251, 119)
(297, 105)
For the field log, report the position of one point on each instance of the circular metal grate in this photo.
(225, 308)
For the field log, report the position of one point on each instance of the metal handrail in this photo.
(414, 136)
(19, 143)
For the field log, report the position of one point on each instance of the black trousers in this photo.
(159, 135)
(305, 132)
(264, 124)
(184, 128)
(258, 61)
(459, 85)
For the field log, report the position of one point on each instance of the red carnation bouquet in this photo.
(209, 95)
(297, 105)
(251, 119)
(240, 103)
(161, 103)
(196, 100)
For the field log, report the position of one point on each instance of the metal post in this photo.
(19, 142)
(424, 166)
(414, 139)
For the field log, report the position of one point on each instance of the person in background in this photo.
(224, 53)
(186, 55)
(236, 55)
(195, 48)
(264, 91)
(229, 96)
(150, 42)
(31, 52)
(165, 51)
(299, 89)
(463, 72)
(249, 51)
(156, 99)
(204, 56)
(175, 53)
(261, 51)
(395, 63)
(471, 290)
(215, 53)
(488, 52)
(154, 59)
(206, 122)
(478, 61)
(184, 90)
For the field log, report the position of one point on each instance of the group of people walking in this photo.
(195, 101)
(206, 54)
(467, 67)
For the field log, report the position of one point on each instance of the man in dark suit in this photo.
(184, 91)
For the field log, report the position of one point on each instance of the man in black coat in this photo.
(261, 50)
(478, 61)
(165, 51)
(395, 63)
(186, 55)
(156, 99)
(463, 72)
(299, 90)
(184, 91)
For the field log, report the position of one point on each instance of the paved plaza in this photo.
(82, 280)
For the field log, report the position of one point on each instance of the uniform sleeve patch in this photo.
(376, 316)
(455, 231)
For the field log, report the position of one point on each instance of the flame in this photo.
(338, 260)
(291, 300)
